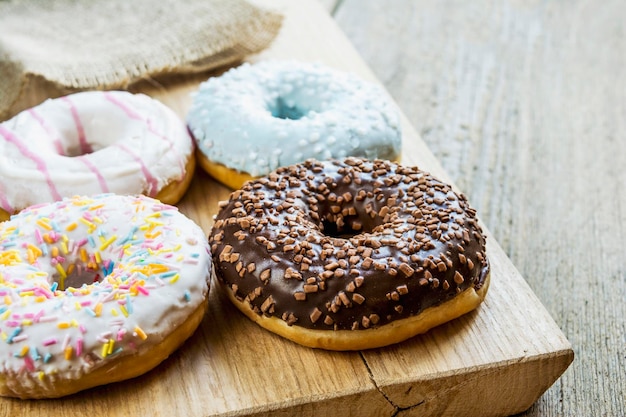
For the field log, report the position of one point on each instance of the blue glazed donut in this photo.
(258, 117)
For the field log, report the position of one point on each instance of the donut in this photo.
(95, 290)
(90, 143)
(349, 254)
(257, 117)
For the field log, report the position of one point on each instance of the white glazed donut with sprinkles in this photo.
(90, 143)
(256, 118)
(95, 290)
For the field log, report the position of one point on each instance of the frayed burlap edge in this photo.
(223, 32)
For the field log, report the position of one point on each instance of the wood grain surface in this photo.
(524, 104)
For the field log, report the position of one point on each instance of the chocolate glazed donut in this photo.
(349, 255)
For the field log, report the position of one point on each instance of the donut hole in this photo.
(99, 129)
(77, 275)
(283, 108)
(75, 150)
(347, 227)
(333, 229)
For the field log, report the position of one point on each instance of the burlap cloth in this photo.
(73, 45)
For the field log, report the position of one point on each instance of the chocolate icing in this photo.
(350, 244)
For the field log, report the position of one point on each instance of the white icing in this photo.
(88, 143)
(120, 238)
(241, 119)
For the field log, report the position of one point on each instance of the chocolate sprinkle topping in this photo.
(351, 244)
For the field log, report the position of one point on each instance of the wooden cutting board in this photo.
(495, 361)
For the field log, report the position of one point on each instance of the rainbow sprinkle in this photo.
(82, 279)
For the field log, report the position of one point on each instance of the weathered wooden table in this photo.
(496, 93)
(524, 105)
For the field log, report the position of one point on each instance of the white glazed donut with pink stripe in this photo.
(91, 142)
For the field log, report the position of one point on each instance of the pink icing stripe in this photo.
(82, 139)
(49, 131)
(134, 115)
(129, 112)
(103, 184)
(39, 163)
(154, 183)
(84, 145)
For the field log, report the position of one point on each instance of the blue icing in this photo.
(255, 118)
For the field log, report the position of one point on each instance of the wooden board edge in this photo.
(363, 404)
(495, 390)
